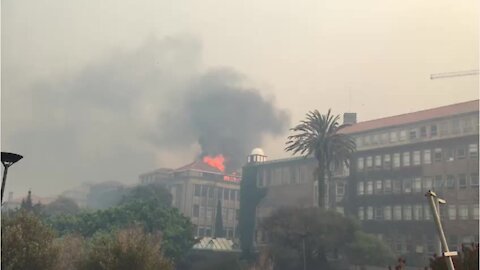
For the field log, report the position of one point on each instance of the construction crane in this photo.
(453, 74)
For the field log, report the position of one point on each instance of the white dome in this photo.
(258, 151)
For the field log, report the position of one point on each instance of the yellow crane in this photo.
(454, 74)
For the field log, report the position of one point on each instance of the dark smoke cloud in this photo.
(115, 118)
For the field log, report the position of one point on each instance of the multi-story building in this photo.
(398, 159)
(196, 189)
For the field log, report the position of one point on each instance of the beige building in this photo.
(196, 189)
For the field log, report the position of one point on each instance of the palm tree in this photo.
(319, 135)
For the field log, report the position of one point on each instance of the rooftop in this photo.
(408, 118)
(199, 165)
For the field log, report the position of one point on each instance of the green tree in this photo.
(368, 250)
(125, 249)
(27, 243)
(219, 232)
(290, 230)
(27, 203)
(61, 206)
(319, 135)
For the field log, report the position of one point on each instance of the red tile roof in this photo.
(408, 118)
(199, 166)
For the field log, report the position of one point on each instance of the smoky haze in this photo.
(135, 111)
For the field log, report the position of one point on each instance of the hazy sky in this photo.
(371, 57)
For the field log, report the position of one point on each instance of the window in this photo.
(449, 155)
(378, 213)
(387, 213)
(340, 189)
(416, 158)
(208, 231)
(361, 214)
(423, 132)
(219, 193)
(201, 232)
(397, 186)
(369, 188)
(417, 212)
(413, 134)
(463, 212)
(475, 211)
(403, 135)
(427, 183)
(387, 186)
(396, 160)
(376, 139)
(237, 195)
(473, 150)
(433, 131)
(196, 210)
(378, 187)
(417, 184)
(211, 191)
(455, 126)
(204, 191)
(226, 194)
(197, 189)
(426, 212)
(387, 163)
(366, 140)
(209, 213)
(384, 138)
(439, 182)
(397, 212)
(474, 180)
(378, 161)
(452, 212)
(358, 141)
(406, 159)
(450, 181)
(360, 188)
(231, 215)
(467, 125)
(407, 212)
(202, 212)
(393, 136)
(360, 163)
(462, 181)
(407, 185)
(369, 213)
(461, 153)
(437, 155)
(232, 195)
(369, 162)
(427, 156)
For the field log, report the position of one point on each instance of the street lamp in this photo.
(8, 159)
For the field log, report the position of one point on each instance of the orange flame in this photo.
(216, 162)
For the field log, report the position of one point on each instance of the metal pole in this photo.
(4, 179)
(304, 259)
(438, 224)
(438, 244)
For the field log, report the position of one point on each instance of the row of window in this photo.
(208, 213)
(284, 175)
(207, 231)
(417, 184)
(416, 212)
(403, 243)
(449, 127)
(209, 191)
(418, 157)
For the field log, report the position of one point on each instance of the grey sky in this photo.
(372, 57)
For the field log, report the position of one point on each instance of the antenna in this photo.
(454, 74)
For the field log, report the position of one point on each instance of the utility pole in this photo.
(434, 202)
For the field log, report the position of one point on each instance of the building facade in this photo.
(196, 189)
(398, 159)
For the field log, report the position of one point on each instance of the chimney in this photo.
(350, 118)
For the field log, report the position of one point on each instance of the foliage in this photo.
(27, 243)
(219, 232)
(368, 250)
(105, 195)
(250, 196)
(176, 229)
(319, 135)
(467, 259)
(61, 206)
(124, 250)
(71, 252)
(148, 193)
(319, 231)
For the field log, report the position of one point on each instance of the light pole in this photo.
(8, 159)
(434, 202)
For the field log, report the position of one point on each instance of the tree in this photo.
(126, 249)
(219, 232)
(467, 259)
(319, 135)
(151, 192)
(27, 243)
(368, 250)
(61, 205)
(27, 203)
(290, 230)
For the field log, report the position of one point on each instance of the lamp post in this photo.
(8, 159)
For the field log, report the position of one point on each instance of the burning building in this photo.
(196, 189)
